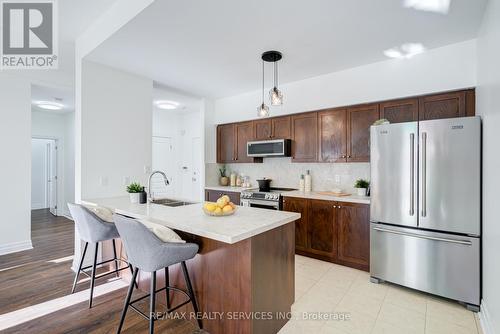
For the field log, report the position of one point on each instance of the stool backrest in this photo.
(90, 227)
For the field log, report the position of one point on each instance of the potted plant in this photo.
(361, 185)
(135, 189)
(224, 180)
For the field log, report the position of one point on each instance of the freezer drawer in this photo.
(438, 263)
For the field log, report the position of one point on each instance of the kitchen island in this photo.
(243, 275)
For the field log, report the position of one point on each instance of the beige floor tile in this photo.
(314, 302)
(303, 283)
(387, 328)
(406, 298)
(438, 326)
(299, 259)
(323, 290)
(478, 324)
(313, 270)
(362, 286)
(360, 304)
(402, 318)
(339, 278)
(328, 329)
(358, 323)
(301, 327)
(451, 312)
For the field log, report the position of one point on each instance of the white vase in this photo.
(134, 197)
(361, 191)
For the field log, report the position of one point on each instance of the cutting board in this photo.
(331, 193)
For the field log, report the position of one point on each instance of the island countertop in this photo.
(245, 223)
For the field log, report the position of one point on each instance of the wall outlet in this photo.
(337, 179)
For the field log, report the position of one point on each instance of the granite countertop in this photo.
(245, 223)
(316, 195)
(229, 189)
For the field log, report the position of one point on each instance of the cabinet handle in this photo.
(348, 156)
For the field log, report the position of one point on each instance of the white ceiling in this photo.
(212, 48)
(187, 104)
(44, 93)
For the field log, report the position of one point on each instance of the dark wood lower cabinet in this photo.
(338, 232)
(213, 195)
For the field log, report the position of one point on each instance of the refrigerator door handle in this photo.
(412, 173)
(455, 241)
(424, 174)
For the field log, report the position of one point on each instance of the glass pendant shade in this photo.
(276, 97)
(263, 110)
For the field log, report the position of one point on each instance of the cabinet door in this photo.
(225, 143)
(281, 127)
(214, 195)
(399, 111)
(332, 135)
(262, 129)
(447, 105)
(359, 120)
(298, 205)
(354, 234)
(244, 133)
(322, 228)
(305, 137)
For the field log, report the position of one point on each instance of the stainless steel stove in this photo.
(272, 199)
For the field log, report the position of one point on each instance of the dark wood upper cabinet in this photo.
(298, 205)
(281, 127)
(226, 148)
(398, 111)
(322, 228)
(244, 133)
(359, 120)
(262, 128)
(332, 128)
(270, 128)
(353, 221)
(446, 105)
(304, 137)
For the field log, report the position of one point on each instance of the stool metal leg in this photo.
(92, 279)
(152, 302)
(132, 271)
(116, 258)
(79, 267)
(191, 292)
(167, 284)
(127, 299)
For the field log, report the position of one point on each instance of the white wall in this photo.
(61, 127)
(116, 130)
(445, 68)
(488, 91)
(15, 149)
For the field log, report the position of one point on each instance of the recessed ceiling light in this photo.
(167, 105)
(49, 105)
(405, 51)
(436, 6)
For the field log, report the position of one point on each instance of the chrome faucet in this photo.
(150, 194)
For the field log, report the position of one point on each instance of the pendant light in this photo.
(263, 110)
(275, 95)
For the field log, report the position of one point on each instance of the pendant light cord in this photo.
(262, 81)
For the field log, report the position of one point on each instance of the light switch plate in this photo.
(147, 169)
(103, 180)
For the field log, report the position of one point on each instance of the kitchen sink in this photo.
(170, 202)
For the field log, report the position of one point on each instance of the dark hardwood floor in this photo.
(29, 279)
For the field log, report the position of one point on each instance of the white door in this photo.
(196, 168)
(163, 159)
(52, 176)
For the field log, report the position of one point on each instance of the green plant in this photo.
(135, 187)
(222, 171)
(361, 183)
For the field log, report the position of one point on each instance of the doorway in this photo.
(44, 174)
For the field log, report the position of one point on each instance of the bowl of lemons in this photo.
(223, 207)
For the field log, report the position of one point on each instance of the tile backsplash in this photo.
(284, 173)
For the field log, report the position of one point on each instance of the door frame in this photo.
(56, 164)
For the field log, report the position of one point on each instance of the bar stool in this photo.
(148, 253)
(94, 230)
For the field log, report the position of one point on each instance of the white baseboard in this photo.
(485, 320)
(15, 247)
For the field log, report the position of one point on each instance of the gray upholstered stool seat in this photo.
(148, 253)
(93, 229)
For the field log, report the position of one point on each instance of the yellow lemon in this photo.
(210, 206)
(218, 211)
(226, 198)
(227, 208)
(221, 202)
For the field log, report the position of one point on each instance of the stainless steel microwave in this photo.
(269, 148)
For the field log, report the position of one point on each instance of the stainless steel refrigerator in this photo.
(425, 230)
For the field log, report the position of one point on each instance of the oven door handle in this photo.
(266, 203)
